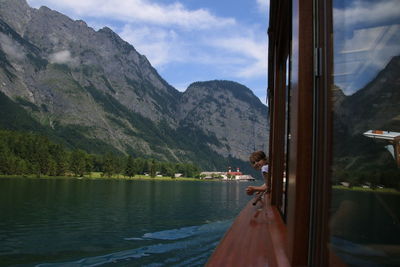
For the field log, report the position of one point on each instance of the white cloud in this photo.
(174, 37)
(237, 53)
(254, 51)
(263, 5)
(366, 39)
(141, 11)
(160, 45)
(367, 13)
(63, 57)
(10, 48)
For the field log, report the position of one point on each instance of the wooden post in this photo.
(396, 146)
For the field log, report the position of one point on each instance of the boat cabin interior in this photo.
(333, 75)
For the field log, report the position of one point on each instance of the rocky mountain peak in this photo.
(69, 76)
(18, 14)
(107, 30)
(231, 111)
(119, 43)
(111, 34)
(337, 96)
(220, 89)
(375, 106)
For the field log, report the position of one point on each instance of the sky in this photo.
(186, 40)
(366, 38)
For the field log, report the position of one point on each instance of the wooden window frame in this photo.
(302, 239)
(279, 43)
(322, 152)
(299, 177)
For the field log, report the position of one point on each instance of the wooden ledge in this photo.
(257, 237)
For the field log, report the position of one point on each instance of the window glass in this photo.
(287, 137)
(365, 206)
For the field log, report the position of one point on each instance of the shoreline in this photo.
(97, 176)
(361, 189)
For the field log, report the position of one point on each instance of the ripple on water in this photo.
(181, 247)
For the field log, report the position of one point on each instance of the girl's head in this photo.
(258, 159)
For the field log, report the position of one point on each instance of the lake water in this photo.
(71, 222)
(365, 227)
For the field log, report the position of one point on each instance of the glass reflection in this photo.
(365, 224)
(287, 137)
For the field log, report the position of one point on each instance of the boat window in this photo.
(365, 203)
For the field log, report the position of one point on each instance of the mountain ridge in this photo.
(65, 74)
(373, 107)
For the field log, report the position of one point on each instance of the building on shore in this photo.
(229, 175)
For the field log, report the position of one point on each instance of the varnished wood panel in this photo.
(256, 238)
(301, 133)
(323, 150)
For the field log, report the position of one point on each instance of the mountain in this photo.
(229, 111)
(373, 107)
(91, 89)
(376, 106)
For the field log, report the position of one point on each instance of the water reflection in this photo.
(365, 225)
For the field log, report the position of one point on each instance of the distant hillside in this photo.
(91, 89)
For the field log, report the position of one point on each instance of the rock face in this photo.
(228, 110)
(65, 74)
(373, 107)
(376, 106)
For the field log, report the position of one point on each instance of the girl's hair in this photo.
(257, 156)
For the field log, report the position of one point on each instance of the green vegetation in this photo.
(28, 154)
(186, 137)
(61, 68)
(373, 178)
(27, 103)
(15, 118)
(361, 161)
(186, 143)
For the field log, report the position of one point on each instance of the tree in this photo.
(60, 157)
(140, 165)
(97, 163)
(42, 154)
(4, 155)
(119, 165)
(89, 163)
(152, 168)
(167, 169)
(52, 170)
(130, 169)
(109, 165)
(78, 162)
(170, 171)
(21, 167)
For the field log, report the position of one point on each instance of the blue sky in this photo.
(186, 40)
(366, 37)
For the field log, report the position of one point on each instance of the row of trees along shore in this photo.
(30, 154)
